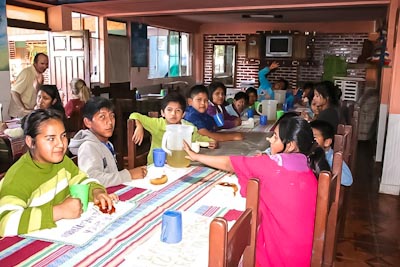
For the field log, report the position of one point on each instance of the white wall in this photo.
(5, 92)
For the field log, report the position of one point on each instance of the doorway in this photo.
(23, 45)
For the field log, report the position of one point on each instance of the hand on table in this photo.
(212, 144)
(138, 172)
(104, 199)
(70, 208)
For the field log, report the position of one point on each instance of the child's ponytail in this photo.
(299, 130)
(316, 160)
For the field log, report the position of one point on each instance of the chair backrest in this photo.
(325, 184)
(123, 108)
(346, 131)
(226, 248)
(74, 123)
(137, 155)
(336, 195)
(354, 138)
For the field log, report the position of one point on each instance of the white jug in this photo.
(172, 144)
(280, 96)
(268, 108)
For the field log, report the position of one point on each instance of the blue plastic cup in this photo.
(219, 119)
(159, 156)
(171, 227)
(263, 120)
(250, 113)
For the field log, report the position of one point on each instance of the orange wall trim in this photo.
(394, 105)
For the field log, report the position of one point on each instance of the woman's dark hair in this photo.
(31, 122)
(329, 91)
(214, 86)
(173, 97)
(299, 130)
(52, 91)
(94, 104)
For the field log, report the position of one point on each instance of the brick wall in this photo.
(346, 45)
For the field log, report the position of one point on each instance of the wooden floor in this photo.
(371, 236)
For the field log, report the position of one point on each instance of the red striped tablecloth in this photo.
(124, 235)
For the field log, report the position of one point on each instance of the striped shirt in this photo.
(29, 191)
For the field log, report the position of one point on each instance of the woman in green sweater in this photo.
(34, 193)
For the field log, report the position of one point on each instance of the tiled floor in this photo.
(371, 235)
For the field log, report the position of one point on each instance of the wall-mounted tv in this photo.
(278, 46)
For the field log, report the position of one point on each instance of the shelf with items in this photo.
(298, 50)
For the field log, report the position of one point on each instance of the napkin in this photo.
(173, 174)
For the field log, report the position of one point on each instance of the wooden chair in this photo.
(354, 139)
(137, 155)
(345, 130)
(123, 108)
(335, 206)
(74, 123)
(11, 149)
(325, 185)
(226, 248)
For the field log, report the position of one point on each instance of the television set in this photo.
(278, 46)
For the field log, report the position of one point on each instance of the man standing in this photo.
(24, 90)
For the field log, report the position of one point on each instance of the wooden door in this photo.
(69, 58)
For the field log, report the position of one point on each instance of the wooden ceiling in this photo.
(232, 11)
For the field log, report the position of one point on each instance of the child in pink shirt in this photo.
(288, 191)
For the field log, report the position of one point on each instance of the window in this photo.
(168, 53)
(27, 14)
(87, 22)
(116, 28)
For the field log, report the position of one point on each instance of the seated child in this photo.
(308, 94)
(239, 105)
(252, 94)
(196, 113)
(265, 91)
(49, 97)
(217, 93)
(324, 134)
(289, 189)
(96, 155)
(34, 193)
(172, 110)
(80, 94)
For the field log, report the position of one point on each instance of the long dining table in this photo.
(133, 239)
(113, 245)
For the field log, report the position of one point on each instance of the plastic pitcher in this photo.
(172, 144)
(268, 108)
(280, 96)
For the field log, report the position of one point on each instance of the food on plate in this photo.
(161, 180)
(105, 210)
(233, 185)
